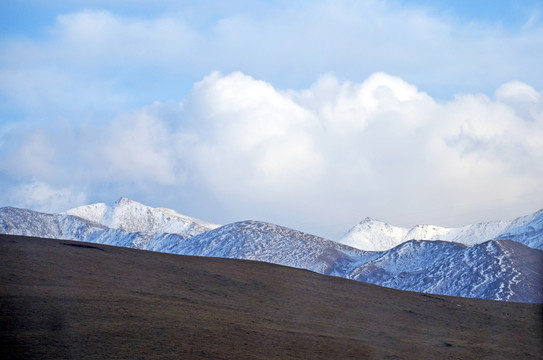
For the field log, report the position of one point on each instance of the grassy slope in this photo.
(63, 301)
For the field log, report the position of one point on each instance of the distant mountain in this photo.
(375, 235)
(496, 269)
(530, 233)
(131, 216)
(249, 240)
(17, 221)
(261, 241)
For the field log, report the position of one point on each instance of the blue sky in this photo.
(309, 114)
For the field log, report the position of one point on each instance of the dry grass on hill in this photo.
(70, 300)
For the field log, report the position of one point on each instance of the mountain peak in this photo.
(132, 216)
(370, 220)
(374, 235)
(125, 201)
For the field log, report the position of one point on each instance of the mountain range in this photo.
(375, 235)
(499, 261)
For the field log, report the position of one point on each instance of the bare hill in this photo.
(74, 300)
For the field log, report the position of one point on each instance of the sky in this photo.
(307, 114)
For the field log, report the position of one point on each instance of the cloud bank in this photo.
(310, 114)
(318, 159)
(95, 62)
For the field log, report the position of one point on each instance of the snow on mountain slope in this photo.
(530, 233)
(374, 235)
(501, 270)
(249, 240)
(16, 221)
(132, 216)
(260, 241)
(497, 270)
(31, 223)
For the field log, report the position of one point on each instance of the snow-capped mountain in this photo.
(132, 216)
(497, 269)
(529, 234)
(375, 235)
(16, 221)
(132, 225)
(123, 223)
(261, 241)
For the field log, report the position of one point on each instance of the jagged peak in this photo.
(125, 201)
(370, 220)
(372, 234)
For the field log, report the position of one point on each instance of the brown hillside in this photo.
(72, 300)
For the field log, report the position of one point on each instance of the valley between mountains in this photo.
(501, 260)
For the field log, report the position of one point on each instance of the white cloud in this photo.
(521, 98)
(135, 147)
(43, 197)
(318, 159)
(319, 156)
(253, 139)
(362, 149)
(94, 62)
(101, 38)
(32, 153)
(99, 61)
